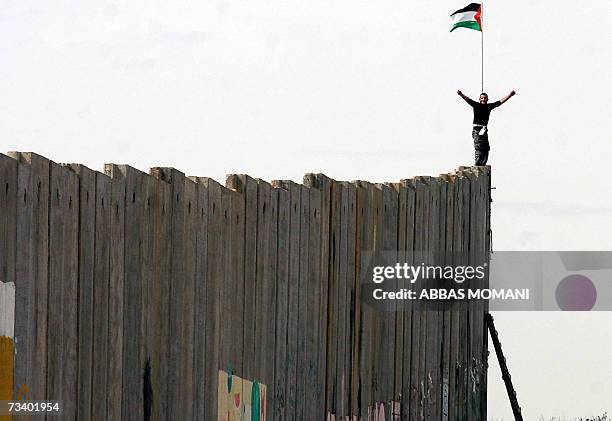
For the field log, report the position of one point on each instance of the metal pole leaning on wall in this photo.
(516, 409)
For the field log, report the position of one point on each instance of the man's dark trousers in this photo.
(481, 145)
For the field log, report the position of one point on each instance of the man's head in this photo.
(484, 98)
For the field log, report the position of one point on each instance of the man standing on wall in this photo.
(482, 110)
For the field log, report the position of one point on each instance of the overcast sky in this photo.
(358, 90)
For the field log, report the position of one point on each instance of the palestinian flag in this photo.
(468, 17)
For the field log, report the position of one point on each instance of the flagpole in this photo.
(481, 47)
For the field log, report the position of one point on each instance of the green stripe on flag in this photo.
(470, 24)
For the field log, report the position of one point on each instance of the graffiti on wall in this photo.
(240, 400)
(7, 346)
(377, 412)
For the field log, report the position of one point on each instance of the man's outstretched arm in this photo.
(465, 98)
(507, 97)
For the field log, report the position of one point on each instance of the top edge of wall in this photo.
(236, 182)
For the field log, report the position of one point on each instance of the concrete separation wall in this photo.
(164, 297)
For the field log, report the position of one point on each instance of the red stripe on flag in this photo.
(478, 16)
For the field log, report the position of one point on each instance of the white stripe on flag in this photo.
(463, 17)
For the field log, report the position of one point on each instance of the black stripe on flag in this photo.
(472, 7)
